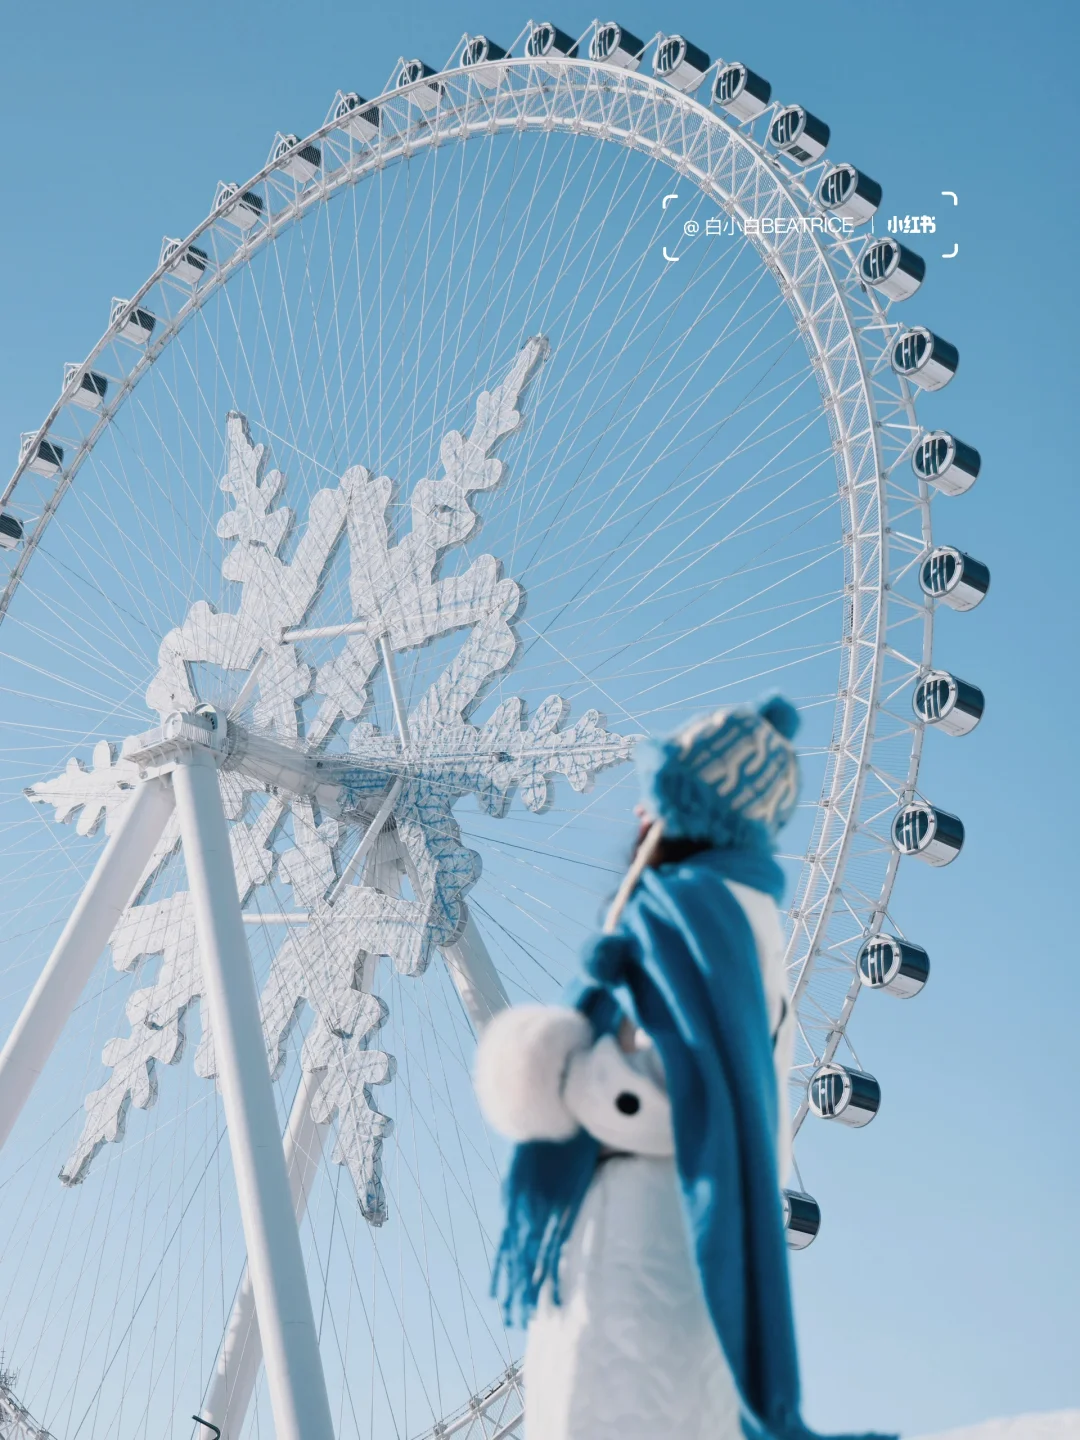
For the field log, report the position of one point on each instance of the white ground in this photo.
(1060, 1425)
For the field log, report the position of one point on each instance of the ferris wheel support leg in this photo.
(229, 1393)
(69, 967)
(473, 972)
(233, 1384)
(298, 1396)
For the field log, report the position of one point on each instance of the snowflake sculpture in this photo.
(101, 791)
(16, 1422)
(396, 592)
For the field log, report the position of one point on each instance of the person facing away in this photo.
(644, 1240)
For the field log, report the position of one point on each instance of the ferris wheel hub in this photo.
(344, 787)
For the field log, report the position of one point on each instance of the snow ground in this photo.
(1058, 1425)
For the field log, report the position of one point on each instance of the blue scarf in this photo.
(684, 966)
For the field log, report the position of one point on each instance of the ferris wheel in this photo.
(526, 408)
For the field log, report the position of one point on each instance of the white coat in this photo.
(630, 1353)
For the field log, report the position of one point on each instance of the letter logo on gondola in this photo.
(933, 697)
(911, 828)
(909, 351)
(878, 259)
(938, 571)
(876, 961)
(606, 42)
(827, 1093)
(932, 455)
(837, 185)
(670, 54)
(729, 82)
(785, 127)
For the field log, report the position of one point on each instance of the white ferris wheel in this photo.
(533, 405)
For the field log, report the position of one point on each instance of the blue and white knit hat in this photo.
(731, 778)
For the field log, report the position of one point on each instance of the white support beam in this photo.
(67, 970)
(400, 716)
(229, 1395)
(276, 917)
(248, 687)
(473, 972)
(298, 1396)
(324, 632)
(368, 839)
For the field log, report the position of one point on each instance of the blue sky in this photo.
(950, 1288)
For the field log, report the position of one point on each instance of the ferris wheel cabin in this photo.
(680, 63)
(894, 966)
(892, 268)
(802, 1218)
(89, 393)
(848, 1096)
(302, 162)
(945, 462)
(615, 45)
(924, 358)
(931, 835)
(46, 457)
(245, 211)
(356, 117)
(849, 193)
(477, 54)
(949, 704)
(134, 324)
(800, 136)
(547, 40)
(11, 531)
(187, 263)
(741, 92)
(952, 577)
(426, 90)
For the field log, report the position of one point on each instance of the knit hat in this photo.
(731, 778)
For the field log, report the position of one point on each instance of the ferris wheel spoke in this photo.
(78, 645)
(611, 520)
(638, 448)
(689, 483)
(739, 606)
(636, 577)
(737, 572)
(149, 545)
(94, 547)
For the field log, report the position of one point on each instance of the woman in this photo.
(644, 1242)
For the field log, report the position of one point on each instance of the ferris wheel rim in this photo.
(423, 133)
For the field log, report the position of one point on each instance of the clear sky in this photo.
(948, 1288)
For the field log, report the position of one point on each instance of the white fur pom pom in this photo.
(520, 1064)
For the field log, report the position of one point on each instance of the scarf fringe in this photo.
(544, 1189)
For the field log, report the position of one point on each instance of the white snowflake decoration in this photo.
(321, 964)
(103, 790)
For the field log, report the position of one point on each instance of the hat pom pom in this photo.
(606, 958)
(782, 716)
